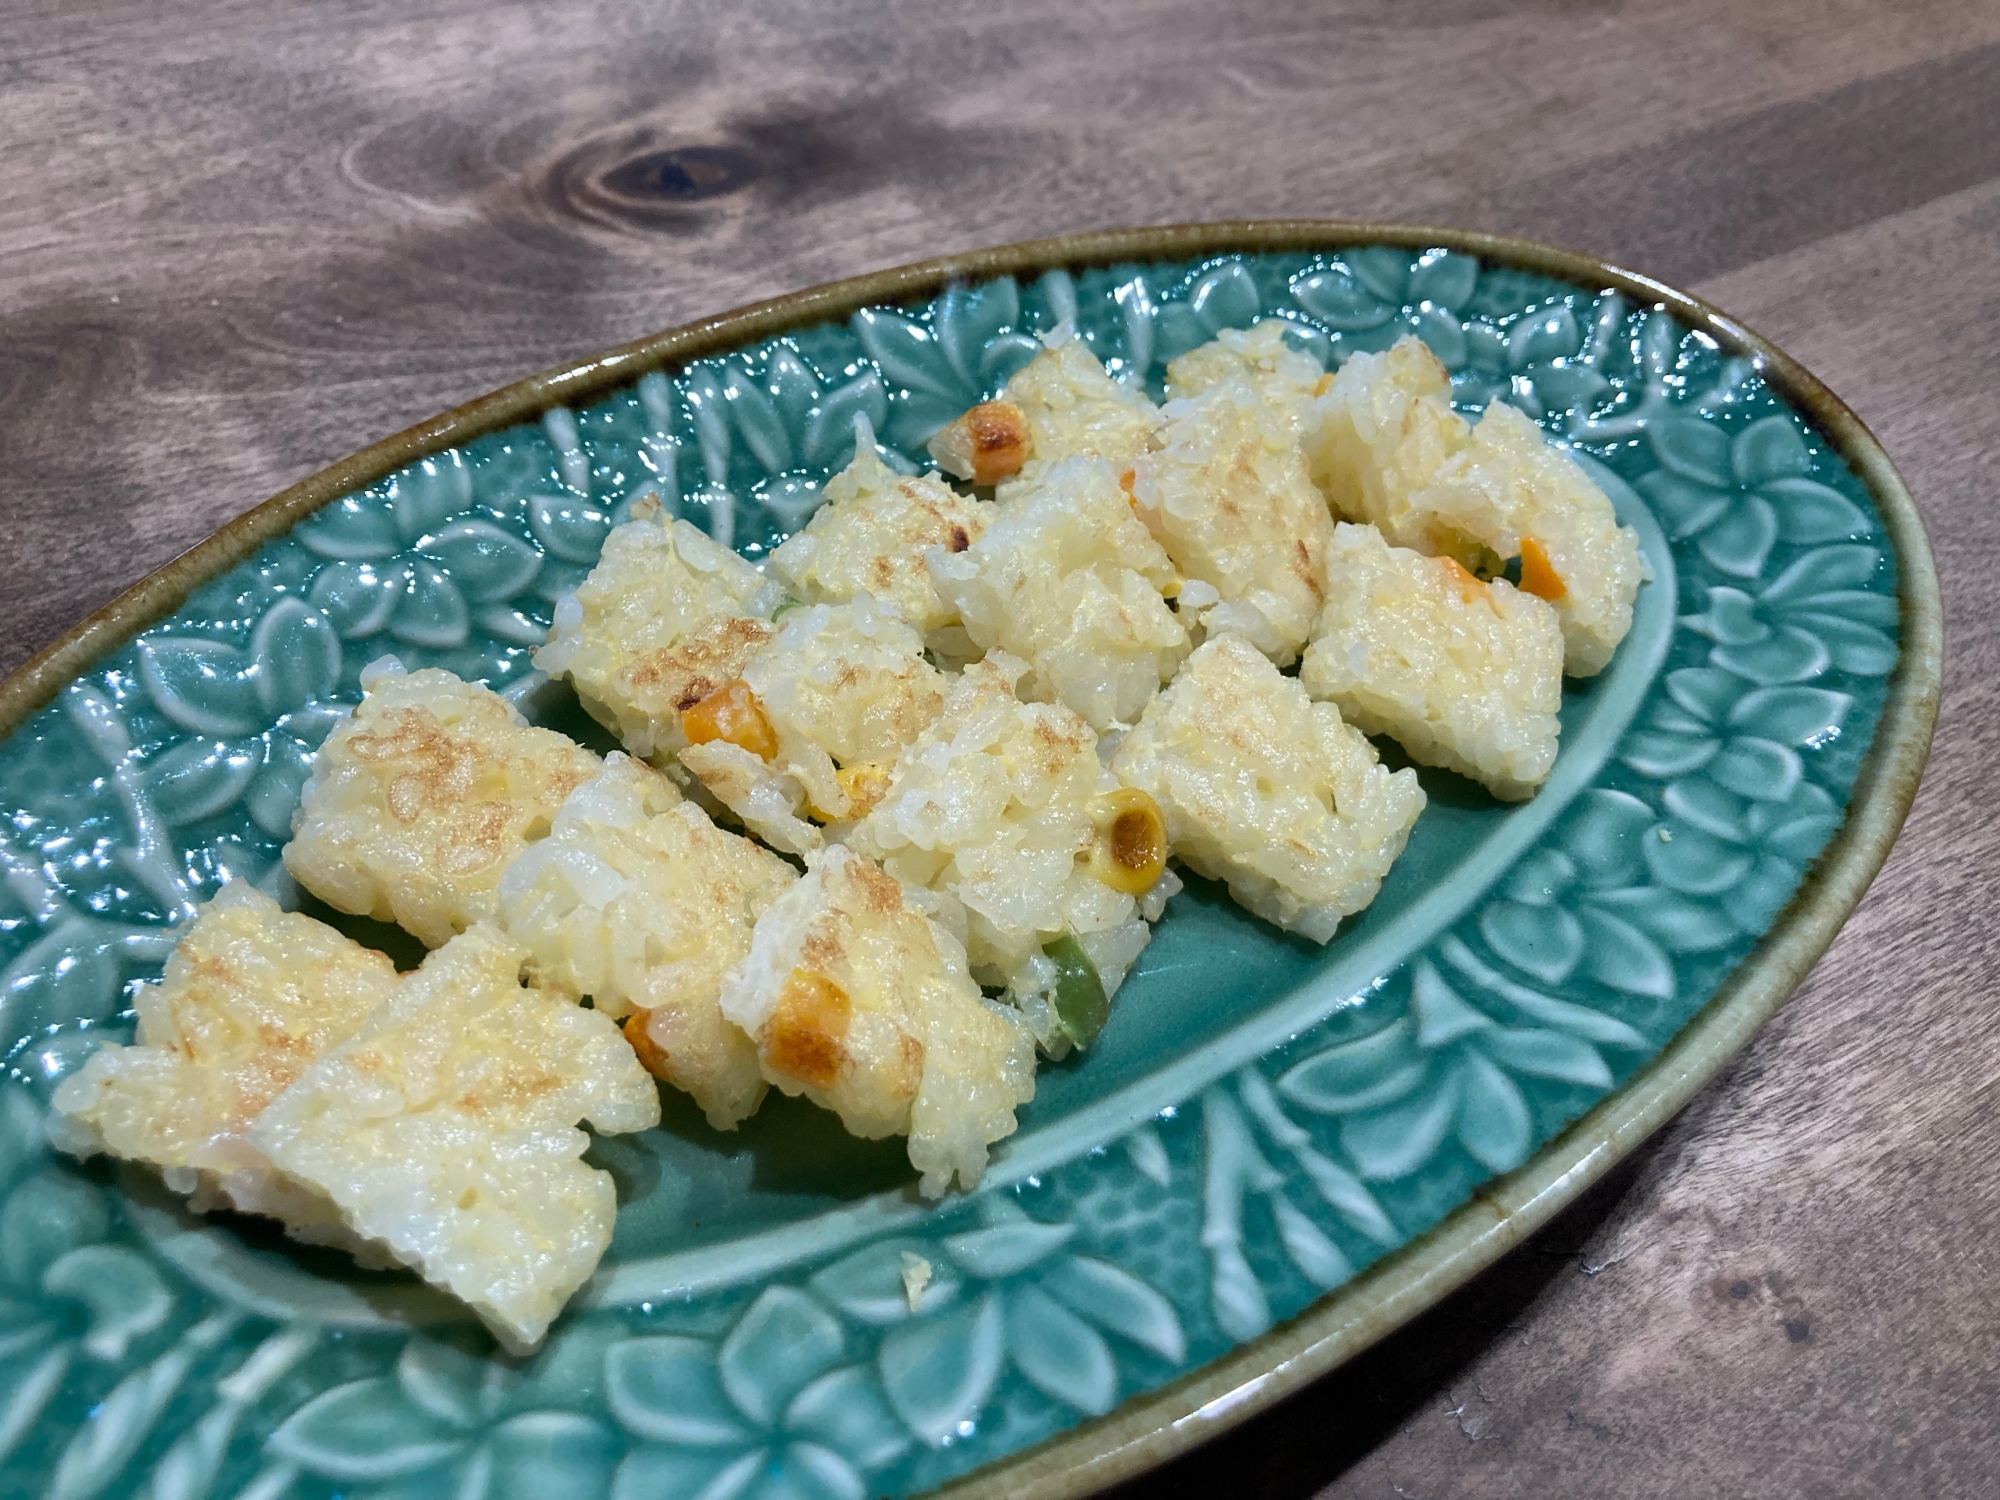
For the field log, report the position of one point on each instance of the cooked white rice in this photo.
(1378, 437)
(1229, 496)
(422, 797)
(251, 995)
(1268, 791)
(864, 1005)
(664, 619)
(992, 815)
(638, 901)
(841, 687)
(871, 535)
(1388, 449)
(1258, 354)
(1068, 579)
(1462, 674)
(445, 1129)
(1074, 408)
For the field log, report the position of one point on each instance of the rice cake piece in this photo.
(638, 901)
(1229, 496)
(1258, 354)
(1377, 439)
(1268, 791)
(861, 1003)
(815, 721)
(1068, 579)
(1388, 449)
(252, 994)
(422, 798)
(446, 1129)
(1521, 496)
(664, 619)
(996, 816)
(1073, 407)
(871, 536)
(1462, 674)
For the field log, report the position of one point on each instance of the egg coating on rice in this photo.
(1068, 579)
(1268, 791)
(839, 688)
(871, 536)
(446, 1129)
(252, 994)
(991, 819)
(1258, 354)
(638, 901)
(1460, 673)
(1073, 407)
(1388, 449)
(1378, 437)
(665, 618)
(860, 1002)
(1228, 495)
(422, 797)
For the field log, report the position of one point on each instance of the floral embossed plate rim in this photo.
(1152, 1425)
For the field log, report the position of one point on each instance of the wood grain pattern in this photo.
(240, 240)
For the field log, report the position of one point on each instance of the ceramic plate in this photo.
(1275, 1153)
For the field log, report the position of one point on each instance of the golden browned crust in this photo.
(423, 797)
(803, 1038)
(878, 887)
(681, 676)
(652, 1057)
(986, 444)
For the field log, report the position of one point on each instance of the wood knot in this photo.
(688, 174)
(631, 179)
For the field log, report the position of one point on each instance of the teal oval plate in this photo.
(1275, 1153)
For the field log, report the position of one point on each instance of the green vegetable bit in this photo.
(1081, 1009)
(785, 606)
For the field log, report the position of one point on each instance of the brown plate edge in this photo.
(1150, 1428)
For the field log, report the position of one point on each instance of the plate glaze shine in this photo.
(1261, 1120)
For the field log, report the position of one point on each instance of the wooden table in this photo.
(238, 241)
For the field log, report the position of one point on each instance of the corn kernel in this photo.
(805, 1035)
(987, 444)
(1130, 849)
(865, 782)
(732, 714)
